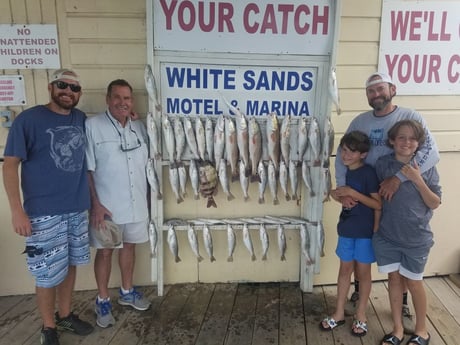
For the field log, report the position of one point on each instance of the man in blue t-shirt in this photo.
(48, 142)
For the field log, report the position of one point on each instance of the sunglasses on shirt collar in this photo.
(63, 85)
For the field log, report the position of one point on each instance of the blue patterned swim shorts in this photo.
(57, 242)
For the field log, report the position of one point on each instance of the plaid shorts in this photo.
(57, 242)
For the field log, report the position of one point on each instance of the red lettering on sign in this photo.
(206, 15)
(420, 68)
(454, 63)
(407, 25)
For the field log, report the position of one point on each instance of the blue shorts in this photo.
(57, 242)
(409, 262)
(358, 249)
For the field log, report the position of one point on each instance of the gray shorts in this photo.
(409, 262)
(131, 233)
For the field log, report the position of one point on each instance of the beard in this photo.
(65, 104)
(380, 103)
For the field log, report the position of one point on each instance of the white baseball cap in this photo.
(64, 73)
(378, 77)
(109, 236)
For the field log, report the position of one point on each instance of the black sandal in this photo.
(392, 339)
(418, 340)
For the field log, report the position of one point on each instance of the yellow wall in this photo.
(106, 39)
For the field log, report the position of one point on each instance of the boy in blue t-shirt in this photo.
(355, 229)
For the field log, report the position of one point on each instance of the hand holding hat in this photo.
(108, 235)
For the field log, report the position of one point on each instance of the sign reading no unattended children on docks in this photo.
(29, 46)
(262, 57)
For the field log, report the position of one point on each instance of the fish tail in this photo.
(157, 156)
(211, 202)
(312, 193)
(177, 259)
(294, 197)
(213, 258)
(288, 197)
(159, 196)
(276, 201)
(261, 200)
(253, 257)
(283, 258)
(235, 177)
(196, 197)
(230, 196)
(264, 257)
(199, 258)
(230, 259)
(179, 200)
(246, 198)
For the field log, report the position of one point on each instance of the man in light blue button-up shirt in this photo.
(117, 153)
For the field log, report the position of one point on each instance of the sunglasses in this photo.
(63, 85)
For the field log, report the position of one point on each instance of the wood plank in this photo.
(292, 321)
(342, 334)
(446, 295)
(216, 320)
(452, 285)
(455, 278)
(136, 322)
(380, 303)
(442, 320)
(189, 321)
(315, 309)
(163, 321)
(246, 314)
(266, 325)
(27, 329)
(83, 306)
(17, 314)
(435, 338)
(241, 324)
(9, 302)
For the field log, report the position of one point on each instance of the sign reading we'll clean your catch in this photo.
(419, 46)
(254, 54)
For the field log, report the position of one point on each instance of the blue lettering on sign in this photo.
(281, 108)
(187, 106)
(201, 78)
(277, 80)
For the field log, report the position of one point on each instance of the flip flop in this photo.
(391, 339)
(331, 323)
(359, 325)
(418, 340)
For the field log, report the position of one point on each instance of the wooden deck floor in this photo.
(234, 314)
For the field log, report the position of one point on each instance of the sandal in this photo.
(359, 328)
(391, 339)
(418, 340)
(331, 323)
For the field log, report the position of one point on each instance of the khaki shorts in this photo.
(131, 233)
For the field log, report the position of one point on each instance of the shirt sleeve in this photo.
(16, 143)
(90, 155)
